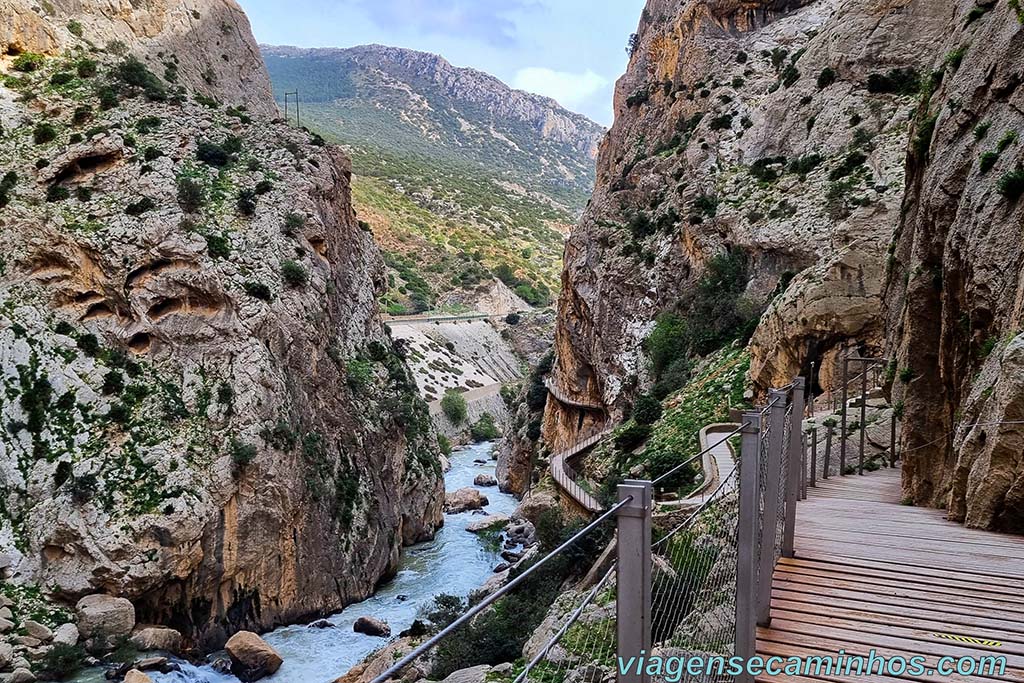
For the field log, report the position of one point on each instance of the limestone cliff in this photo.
(774, 131)
(202, 410)
(954, 291)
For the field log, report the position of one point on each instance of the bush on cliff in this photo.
(453, 405)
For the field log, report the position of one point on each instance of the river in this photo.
(455, 562)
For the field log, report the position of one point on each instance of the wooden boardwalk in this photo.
(872, 574)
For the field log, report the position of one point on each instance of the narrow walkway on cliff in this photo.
(872, 574)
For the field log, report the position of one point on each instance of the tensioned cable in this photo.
(576, 614)
(703, 452)
(693, 515)
(493, 597)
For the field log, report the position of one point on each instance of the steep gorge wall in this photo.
(202, 409)
(719, 101)
(954, 289)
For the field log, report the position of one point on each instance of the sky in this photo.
(571, 50)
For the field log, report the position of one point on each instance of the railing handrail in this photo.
(702, 453)
(430, 643)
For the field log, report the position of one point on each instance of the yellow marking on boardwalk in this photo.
(969, 640)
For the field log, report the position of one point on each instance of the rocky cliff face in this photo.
(771, 131)
(953, 284)
(202, 410)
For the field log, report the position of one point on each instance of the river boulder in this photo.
(251, 657)
(464, 499)
(105, 615)
(147, 638)
(136, 676)
(474, 674)
(372, 627)
(487, 523)
(484, 480)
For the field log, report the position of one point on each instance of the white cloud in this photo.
(569, 89)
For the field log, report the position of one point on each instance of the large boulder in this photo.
(372, 627)
(484, 480)
(464, 499)
(6, 655)
(146, 638)
(136, 676)
(66, 634)
(38, 631)
(251, 657)
(487, 523)
(474, 674)
(105, 616)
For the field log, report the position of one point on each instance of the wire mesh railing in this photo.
(700, 589)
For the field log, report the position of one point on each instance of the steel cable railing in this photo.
(693, 459)
(434, 640)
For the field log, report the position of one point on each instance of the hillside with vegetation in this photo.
(455, 172)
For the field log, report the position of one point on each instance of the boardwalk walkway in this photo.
(871, 573)
(565, 478)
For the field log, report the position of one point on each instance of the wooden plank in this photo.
(978, 627)
(823, 648)
(910, 573)
(907, 629)
(909, 569)
(1001, 566)
(833, 646)
(810, 585)
(829, 593)
(943, 587)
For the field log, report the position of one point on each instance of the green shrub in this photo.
(826, 78)
(61, 78)
(484, 429)
(44, 133)
(647, 410)
(293, 223)
(212, 154)
(1011, 185)
(444, 444)
(976, 13)
(294, 274)
(62, 661)
(27, 62)
(148, 124)
(134, 73)
(923, 139)
(241, 453)
(453, 405)
(790, 75)
(57, 193)
(987, 161)
(140, 207)
(246, 202)
(1008, 139)
(766, 169)
(89, 344)
(191, 196)
(358, 374)
(258, 290)
(151, 153)
(85, 68)
(672, 378)
(806, 164)
(851, 163)
(82, 114)
(905, 81)
(631, 436)
(75, 28)
(107, 97)
(640, 226)
(906, 375)
(218, 246)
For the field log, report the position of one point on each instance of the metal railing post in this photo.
(892, 439)
(746, 543)
(766, 564)
(633, 605)
(842, 415)
(826, 467)
(863, 413)
(814, 457)
(795, 467)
